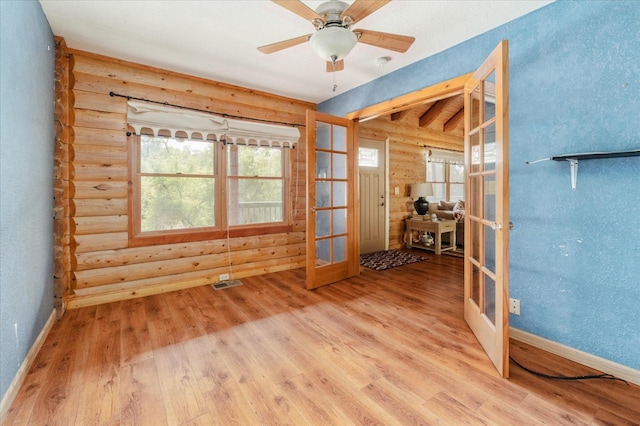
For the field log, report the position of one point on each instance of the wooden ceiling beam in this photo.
(398, 116)
(434, 112)
(453, 122)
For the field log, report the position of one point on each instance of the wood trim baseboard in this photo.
(21, 374)
(618, 370)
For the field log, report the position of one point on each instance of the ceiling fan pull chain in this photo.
(333, 66)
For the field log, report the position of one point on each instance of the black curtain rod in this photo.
(202, 110)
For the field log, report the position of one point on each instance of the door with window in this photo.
(332, 223)
(373, 205)
(486, 282)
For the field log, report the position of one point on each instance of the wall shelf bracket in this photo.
(573, 160)
(573, 165)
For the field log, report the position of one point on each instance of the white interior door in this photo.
(373, 195)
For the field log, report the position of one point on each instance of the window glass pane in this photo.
(254, 161)
(171, 156)
(439, 192)
(456, 173)
(435, 172)
(457, 191)
(367, 157)
(255, 201)
(176, 203)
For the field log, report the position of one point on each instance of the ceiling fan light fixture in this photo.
(333, 43)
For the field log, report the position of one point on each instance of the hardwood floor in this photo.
(387, 347)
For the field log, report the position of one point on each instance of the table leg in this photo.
(438, 235)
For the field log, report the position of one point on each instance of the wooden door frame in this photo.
(442, 90)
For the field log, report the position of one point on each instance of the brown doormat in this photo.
(389, 259)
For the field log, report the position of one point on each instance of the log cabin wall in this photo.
(407, 161)
(94, 263)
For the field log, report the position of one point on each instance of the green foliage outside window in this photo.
(178, 184)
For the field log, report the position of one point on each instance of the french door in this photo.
(332, 222)
(486, 278)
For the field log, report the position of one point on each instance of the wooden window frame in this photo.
(223, 230)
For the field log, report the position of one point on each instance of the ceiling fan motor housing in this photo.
(330, 12)
(333, 40)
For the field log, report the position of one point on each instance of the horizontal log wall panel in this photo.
(105, 85)
(99, 172)
(99, 224)
(98, 242)
(100, 119)
(135, 255)
(91, 166)
(99, 189)
(88, 297)
(99, 101)
(100, 154)
(101, 207)
(103, 137)
(121, 274)
(169, 81)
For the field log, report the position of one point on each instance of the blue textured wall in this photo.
(574, 86)
(26, 185)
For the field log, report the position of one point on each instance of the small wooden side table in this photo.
(436, 228)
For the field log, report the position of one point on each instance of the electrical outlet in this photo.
(224, 277)
(514, 306)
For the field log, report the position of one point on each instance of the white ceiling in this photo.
(217, 39)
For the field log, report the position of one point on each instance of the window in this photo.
(256, 185)
(187, 185)
(445, 170)
(204, 188)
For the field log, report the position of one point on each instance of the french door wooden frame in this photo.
(498, 338)
(332, 200)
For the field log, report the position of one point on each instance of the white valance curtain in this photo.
(443, 156)
(156, 118)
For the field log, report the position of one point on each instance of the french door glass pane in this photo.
(323, 165)
(339, 249)
(339, 166)
(323, 223)
(340, 221)
(490, 249)
(323, 252)
(339, 194)
(323, 136)
(339, 138)
(323, 194)
(490, 299)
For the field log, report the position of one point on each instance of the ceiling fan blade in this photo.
(339, 66)
(274, 47)
(360, 9)
(396, 42)
(299, 8)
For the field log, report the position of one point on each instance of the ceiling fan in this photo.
(334, 39)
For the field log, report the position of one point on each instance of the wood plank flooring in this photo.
(387, 348)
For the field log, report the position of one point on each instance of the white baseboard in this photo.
(620, 371)
(21, 374)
